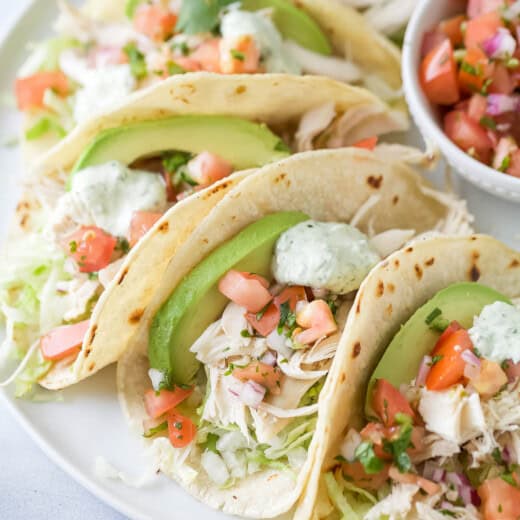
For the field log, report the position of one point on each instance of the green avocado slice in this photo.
(459, 302)
(197, 302)
(294, 24)
(241, 142)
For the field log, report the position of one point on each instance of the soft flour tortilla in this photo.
(390, 294)
(328, 186)
(277, 100)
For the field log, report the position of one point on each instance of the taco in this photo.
(225, 373)
(423, 416)
(89, 200)
(106, 51)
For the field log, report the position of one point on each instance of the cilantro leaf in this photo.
(136, 59)
(397, 447)
(366, 455)
(287, 317)
(172, 161)
(200, 16)
(154, 431)
(211, 443)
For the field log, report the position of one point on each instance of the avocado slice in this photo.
(459, 302)
(294, 24)
(197, 302)
(241, 142)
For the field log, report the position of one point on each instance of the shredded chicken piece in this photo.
(436, 446)
(106, 275)
(312, 124)
(389, 241)
(364, 209)
(389, 16)
(397, 505)
(82, 291)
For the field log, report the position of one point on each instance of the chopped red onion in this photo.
(506, 455)
(500, 45)
(498, 104)
(472, 368)
(252, 394)
(429, 470)
(458, 479)
(424, 370)
(269, 359)
(439, 475)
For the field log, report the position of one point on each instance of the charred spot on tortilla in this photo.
(474, 273)
(429, 262)
(23, 205)
(136, 316)
(356, 350)
(240, 89)
(397, 263)
(418, 271)
(87, 352)
(280, 178)
(358, 306)
(475, 255)
(375, 182)
(380, 289)
(122, 276)
(92, 335)
(343, 377)
(390, 287)
(409, 250)
(215, 190)
(389, 309)
(514, 263)
(163, 228)
(395, 200)
(92, 366)
(23, 220)
(473, 238)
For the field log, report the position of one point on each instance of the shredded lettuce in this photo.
(43, 126)
(36, 368)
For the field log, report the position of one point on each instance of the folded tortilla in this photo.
(349, 185)
(391, 293)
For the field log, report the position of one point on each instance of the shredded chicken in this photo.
(364, 209)
(389, 241)
(397, 505)
(312, 124)
(81, 291)
(389, 16)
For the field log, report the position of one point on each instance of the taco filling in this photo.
(92, 65)
(443, 442)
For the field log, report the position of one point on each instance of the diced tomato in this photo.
(261, 373)
(514, 167)
(479, 7)
(317, 319)
(207, 168)
(505, 148)
(355, 472)
(438, 75)
(481, 28)
(30, 90)
(431, 488)
(241, 56)
(188, 64)
(207, 55)
(448, 370)
(477, 107)
(376, 433)
(387, 402)
(450, 329)
(181, 429)
(267, 322)
(91, 248)
(293, 295)
(474, 71)
(512, 370)
(502, 81)
(417, 440)
(452, 28)
(154, 21)
(141, 223)
(245, 289)
(500, 500)
(368, 144)
(490, 380)
(468, 135)
(64, 341)
(431, 40)
(158, 403)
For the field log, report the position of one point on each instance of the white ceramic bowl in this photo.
(427, 15)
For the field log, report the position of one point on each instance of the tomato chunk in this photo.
(158, 403)
(30, 90)
(431, 488)
(452, 28)
(240, 56)
(154, 21)
(64, 341)
(368, 144)
(490, 379)
(181, 429)
(318, 320)
(500, 500)
(475, 71)
(468, 135)
(448, 369)
(261, 373)
(245, 289)
(293, 295)
(387, 402)
(371, 482)
(479, 7)
(477, 107)
(207, 168)
(267, 322)
(481, 28)
(207, 55)
(438, 75)
(141, 223)
(92, 248)
(502, 82)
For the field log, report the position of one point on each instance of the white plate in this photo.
(89, 422)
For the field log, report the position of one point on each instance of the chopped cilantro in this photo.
(397, 447)
(508, 477)
(436, 359)
(237, 55)
(365, 454)
(182, 47)
(73, 246)
(93, 276)
(505, 164)
(173, 69)
(440, 324)
(287, 317)
(245, 333)
(469, 69)
(172, 161)
(122, 245)
(280, 146)
(485, 86)
(211, 443)
(488, 122)
(131, 7)
(136, 59)
(434, 314)
(332, 306)
(497, 456)
(512, 63)
(154, 431)
(200, 16)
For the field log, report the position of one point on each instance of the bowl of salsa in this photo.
(461, 73)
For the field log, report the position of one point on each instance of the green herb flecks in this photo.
(152, 432)
(172, 161)
(488, 122)
(237, 55)
(397, 447)
(505, 164)
(287, 318)
(136, 60)
(365, 454)
(122, 245)
(42, 127)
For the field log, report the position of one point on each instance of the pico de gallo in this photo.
(470, 69)
(445, 444)
(92, 65)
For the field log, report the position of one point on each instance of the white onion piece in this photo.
(252, 394)
(156, 377)
(278, 342)
(471, 358)
(269, 359)
(424, 370)
(215, 467)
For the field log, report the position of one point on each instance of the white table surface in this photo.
(31, 486)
